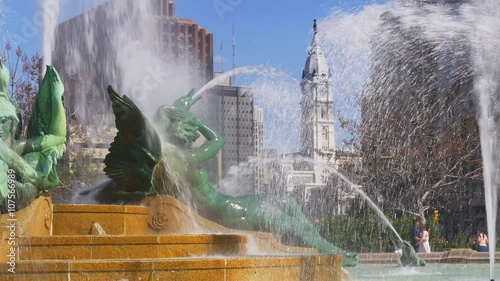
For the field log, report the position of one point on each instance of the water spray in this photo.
(261, 69)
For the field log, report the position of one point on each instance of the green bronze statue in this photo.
(28, 166)
(409, 257)
(138, 166)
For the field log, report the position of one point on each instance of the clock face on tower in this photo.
(322, 94)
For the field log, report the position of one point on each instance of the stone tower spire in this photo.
(317, 123)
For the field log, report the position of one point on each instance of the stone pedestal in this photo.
(149, 242)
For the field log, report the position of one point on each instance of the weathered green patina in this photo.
(409, 257)
(139, 166)
(28, 166)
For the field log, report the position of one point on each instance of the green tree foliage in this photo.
(360, 233)
(357, 231)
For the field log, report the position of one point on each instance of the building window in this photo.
(170, 9)
(324, 133)
(165, 7)
(323, 113)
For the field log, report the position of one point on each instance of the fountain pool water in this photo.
(431, 272)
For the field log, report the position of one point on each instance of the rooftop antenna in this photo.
(234, 56)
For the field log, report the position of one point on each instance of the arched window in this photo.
(324, 133)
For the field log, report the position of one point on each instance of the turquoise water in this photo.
(442, 272)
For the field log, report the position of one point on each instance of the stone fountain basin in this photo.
(148, 242)
(207, 268)
(130, 247)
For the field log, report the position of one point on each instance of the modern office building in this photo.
(89, 57)
(230, 110)
(185, 38)
(165, 8)
(259, 153)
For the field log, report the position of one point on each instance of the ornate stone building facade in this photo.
(311, 174)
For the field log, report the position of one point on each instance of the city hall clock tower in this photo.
(317, 123)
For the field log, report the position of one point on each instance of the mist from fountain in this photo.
(50, 10)
(261, 70)
(465, 37)
(232, 184)
(485, 38)
(470, 32)
(148, 73)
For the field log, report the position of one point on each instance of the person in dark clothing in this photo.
(415, 234)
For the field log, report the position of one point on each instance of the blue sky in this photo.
(274, 32)
(23, 23)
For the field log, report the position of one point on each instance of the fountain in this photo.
(485, 39)
(41, 235)
(144, 233)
